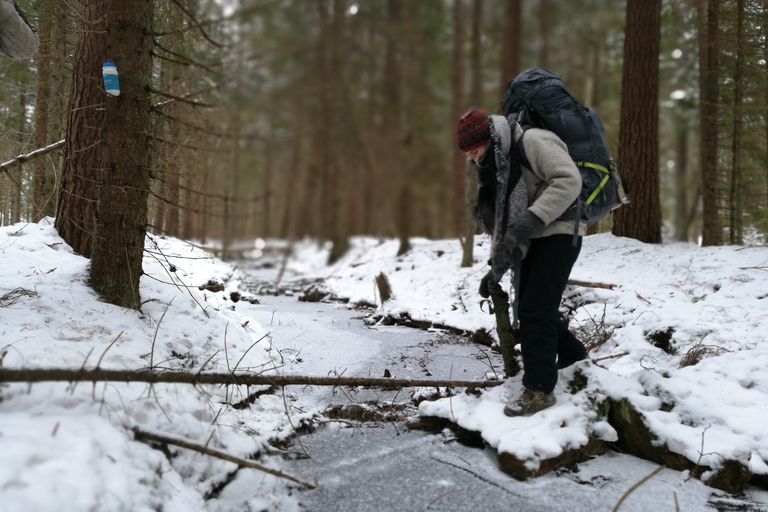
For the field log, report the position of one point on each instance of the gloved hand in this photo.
(519, 234)
(488, 283)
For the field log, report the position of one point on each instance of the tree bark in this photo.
(638, 132)
(475, 98)
(83, 151)
(42, 189)
(511, 42)
(681, 177)
(709, 62)
(116, 263)
(338, 182)
(736, 196)
(457, 85)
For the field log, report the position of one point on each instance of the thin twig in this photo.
(98, 364)
(246, 352)
(638, 484)
(154, 338)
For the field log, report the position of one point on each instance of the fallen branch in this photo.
(614, 356)
(141, 435)
(592, 285)
(240, 379)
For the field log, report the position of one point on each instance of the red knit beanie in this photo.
(474, 130)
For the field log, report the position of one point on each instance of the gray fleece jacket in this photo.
(547, 188)
(552, 183)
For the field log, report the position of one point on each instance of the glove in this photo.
(519, 234)
(488, 283)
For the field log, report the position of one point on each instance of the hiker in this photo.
(18, 39)
(519, 207)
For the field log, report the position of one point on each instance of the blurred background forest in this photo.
(335, 118)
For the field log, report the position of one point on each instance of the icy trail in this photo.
(385, 466)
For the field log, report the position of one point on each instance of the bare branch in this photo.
(146, 436)
(194, 20)
(178, 98)
(38, 152)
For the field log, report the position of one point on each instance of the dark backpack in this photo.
(538, 98)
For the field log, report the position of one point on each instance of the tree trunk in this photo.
(545, 28)
(736, 196)
(709, 62)
(457, 85)
(391, 110)
(511, 41)
(475, 98)
(18, 171)
(638, 131)
(116, 264)
(84, 151)
(41, 180)
(172, 173)
(340, 108)
(407, 170)
(681, 178)
(765, 88)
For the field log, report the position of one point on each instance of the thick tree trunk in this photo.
(84, 152)
(638, 132)
(710, 91)
(122, 213)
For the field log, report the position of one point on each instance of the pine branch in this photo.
(184, 60)
(182, 99)
(194, 21)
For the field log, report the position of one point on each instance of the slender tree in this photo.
(475, 98)
(736, 235)
(41, 182)
(457, 97)
(638, 132)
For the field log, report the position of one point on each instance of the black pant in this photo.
(546, 341)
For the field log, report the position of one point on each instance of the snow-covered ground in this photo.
(71, 447)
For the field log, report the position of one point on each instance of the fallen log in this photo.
(240, 379)
(586, 284)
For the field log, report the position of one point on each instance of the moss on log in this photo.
(636, 439)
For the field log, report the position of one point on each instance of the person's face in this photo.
(477, 153)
